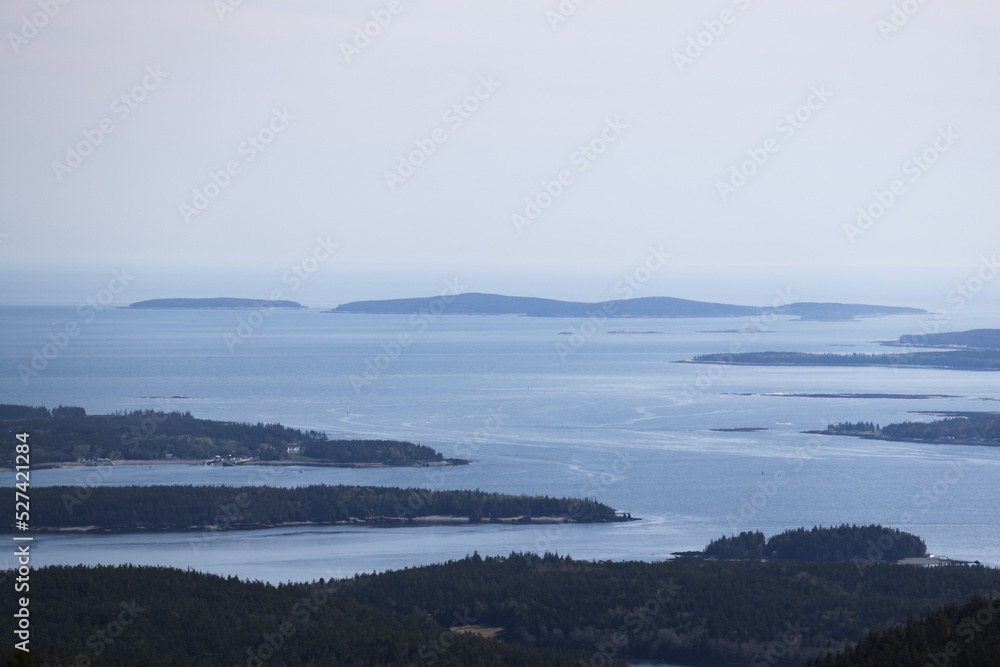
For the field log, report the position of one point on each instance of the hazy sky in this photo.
(741, 137)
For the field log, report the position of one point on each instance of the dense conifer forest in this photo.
(953, 636)
(392, 452)
(593, 613)
(132, 616)
(689, 612)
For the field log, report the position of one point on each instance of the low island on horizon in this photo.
(975, 350)
(973, 339)
(475, 303)
(215, 303)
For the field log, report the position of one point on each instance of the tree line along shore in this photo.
(185, 508)
(959, 428)
(69, 435)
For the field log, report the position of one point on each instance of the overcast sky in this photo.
(741, 137)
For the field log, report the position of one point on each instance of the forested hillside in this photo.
(131, 616)
(686, 611)
(954, 636)
(689, 612)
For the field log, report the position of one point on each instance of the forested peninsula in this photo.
(184, 508)
(959, 428)
(981, 339)
(69, 434)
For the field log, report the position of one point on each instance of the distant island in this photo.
(965, 360)
(838, 312)
(184, 508)
(980, 339)
(68, 435)
(958, 428)
(740, 429)
(850, 395)
(216, 303)
(743, 330)
(474, 303)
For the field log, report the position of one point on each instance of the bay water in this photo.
(564, 407)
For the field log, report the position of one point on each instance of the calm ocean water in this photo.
(587, 412)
